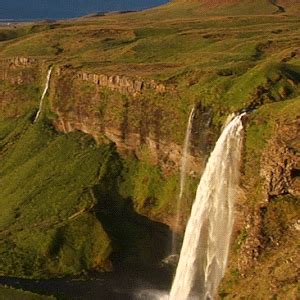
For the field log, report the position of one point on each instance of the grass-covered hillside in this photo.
(69, 204)
(62, 206)
(225, 59)
(46, 197)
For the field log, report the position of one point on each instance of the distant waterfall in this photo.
(43, 95)
(183, 167)
(206, 242)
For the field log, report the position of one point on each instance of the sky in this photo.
(56, 9)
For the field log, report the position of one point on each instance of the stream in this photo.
(122, 284)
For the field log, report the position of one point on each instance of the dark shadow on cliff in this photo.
(139, 244)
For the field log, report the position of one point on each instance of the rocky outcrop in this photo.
(165, 153)
(122, 84)
(15, 70)
(20, 62)
(133, 113)
(139, 116)
(281, 162)
(20, 80)
(253, 242)
(279, 173)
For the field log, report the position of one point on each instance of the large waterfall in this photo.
(183, 171)
(206, 241)
(43, 95)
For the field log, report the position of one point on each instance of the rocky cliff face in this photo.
(130, 112)
(20, 80)
(122, 84)
(20, 65)
(142, 116)
(281, 162)
(279, 168)
(139, 116)
(267, 215)
(114, 106)
(20, 61)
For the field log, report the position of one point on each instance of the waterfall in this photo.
(183, 171)
(204, 252)
(43, 95)
(228, 120)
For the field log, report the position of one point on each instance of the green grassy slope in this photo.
(214, 56)
(46, 182)
(224, 55)
(63, 211)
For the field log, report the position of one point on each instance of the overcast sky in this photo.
(55, 9)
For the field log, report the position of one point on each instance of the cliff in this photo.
(76, 103)
(135, 115)
(117, 107)
(122, 109)
(20, 78)
(267, 223)
(130, 85)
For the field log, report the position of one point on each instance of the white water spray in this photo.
(183, 171)
(43, 95)
(206, 241)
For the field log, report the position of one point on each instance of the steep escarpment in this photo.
(20, 82)
(130, 112)
(130, 84)
(268, 209)
(137, 116)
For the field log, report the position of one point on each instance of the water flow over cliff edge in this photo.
(183, 171)
(43, 95)
(206, 242)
